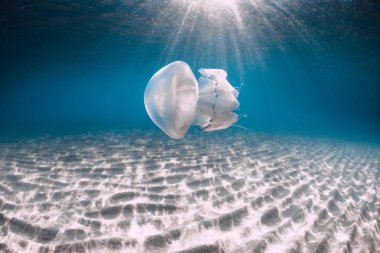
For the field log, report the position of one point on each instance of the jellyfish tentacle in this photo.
(239, 126)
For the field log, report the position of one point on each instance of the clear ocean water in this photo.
(84, 169)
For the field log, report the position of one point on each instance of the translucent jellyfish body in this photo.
(175, 100)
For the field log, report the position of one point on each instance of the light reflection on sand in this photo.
(224, 192)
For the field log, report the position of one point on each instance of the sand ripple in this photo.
(227, 192)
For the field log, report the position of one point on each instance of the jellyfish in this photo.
(175, 100)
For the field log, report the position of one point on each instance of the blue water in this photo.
(308, 67)
(83, 168)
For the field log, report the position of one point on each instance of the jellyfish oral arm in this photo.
(217, 99)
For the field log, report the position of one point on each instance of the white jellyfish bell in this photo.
(175, 100)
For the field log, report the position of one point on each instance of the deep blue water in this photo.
(308, 67)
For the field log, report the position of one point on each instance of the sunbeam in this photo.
(189, 126)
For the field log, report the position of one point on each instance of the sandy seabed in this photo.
(220, 192)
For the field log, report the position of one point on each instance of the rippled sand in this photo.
(225, 192)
